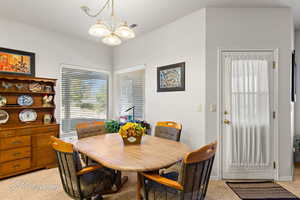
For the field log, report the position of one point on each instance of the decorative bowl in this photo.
(35, 87)
(132, 140)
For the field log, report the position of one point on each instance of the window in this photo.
(131, 93)
(84, 97)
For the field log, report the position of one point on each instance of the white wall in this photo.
(297, 106)
(53, 49)
(196, 39)
(254, 28)
(182, 40)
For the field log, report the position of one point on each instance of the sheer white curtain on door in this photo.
(248, 136)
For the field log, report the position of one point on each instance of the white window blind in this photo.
(132, 93)
(84, 97)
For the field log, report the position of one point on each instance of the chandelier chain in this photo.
(86, 9)
(112, 8)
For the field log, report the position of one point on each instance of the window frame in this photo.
(116, 113)
(94, 69)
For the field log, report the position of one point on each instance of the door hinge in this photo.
(274, 165)
(274, 114)
(274, 65)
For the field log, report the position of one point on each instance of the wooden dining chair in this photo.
(171, 131)
(168, 130)
(189, 184)
(81, 182)
(88, 129)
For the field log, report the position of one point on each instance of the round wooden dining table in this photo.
(152, 154)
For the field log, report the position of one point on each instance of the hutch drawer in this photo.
(15, 142)
(14, 154)
(15, 166)
(7, 133)
(32, 131)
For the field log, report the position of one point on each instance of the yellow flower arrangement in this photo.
(131, 130)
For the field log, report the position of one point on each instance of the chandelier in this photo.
(110, 29)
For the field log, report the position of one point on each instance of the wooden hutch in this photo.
(25, 145)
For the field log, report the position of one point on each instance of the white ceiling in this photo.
(65, 16)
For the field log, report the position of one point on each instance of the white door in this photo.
(247, 108)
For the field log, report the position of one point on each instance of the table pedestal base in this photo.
(123, 181)
(138, 187)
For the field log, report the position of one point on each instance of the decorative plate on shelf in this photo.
(25, 100)
(3, 101)
(35, 87)
(4, 116)
(28, 115)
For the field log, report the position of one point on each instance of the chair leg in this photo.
(138, 187)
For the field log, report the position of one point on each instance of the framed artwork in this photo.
(17, 62)
(171, 78)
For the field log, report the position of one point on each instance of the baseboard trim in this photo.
(282, 178)
(285, 178)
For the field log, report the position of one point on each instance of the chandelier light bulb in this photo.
(125, 32)
(99, 30)
(112, 40)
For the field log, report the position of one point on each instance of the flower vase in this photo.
(132, 140)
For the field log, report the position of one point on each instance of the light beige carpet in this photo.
(46, 185)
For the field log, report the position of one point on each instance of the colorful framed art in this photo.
(171, 78)
(17, 62)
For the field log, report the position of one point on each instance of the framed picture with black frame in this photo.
(171, 78)
(17, 62)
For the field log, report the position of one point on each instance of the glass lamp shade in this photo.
(112, 40)
(125, 32)
(99, 30)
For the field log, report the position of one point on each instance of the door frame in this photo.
(220, 107)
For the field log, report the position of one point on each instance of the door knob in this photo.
(226, 121)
